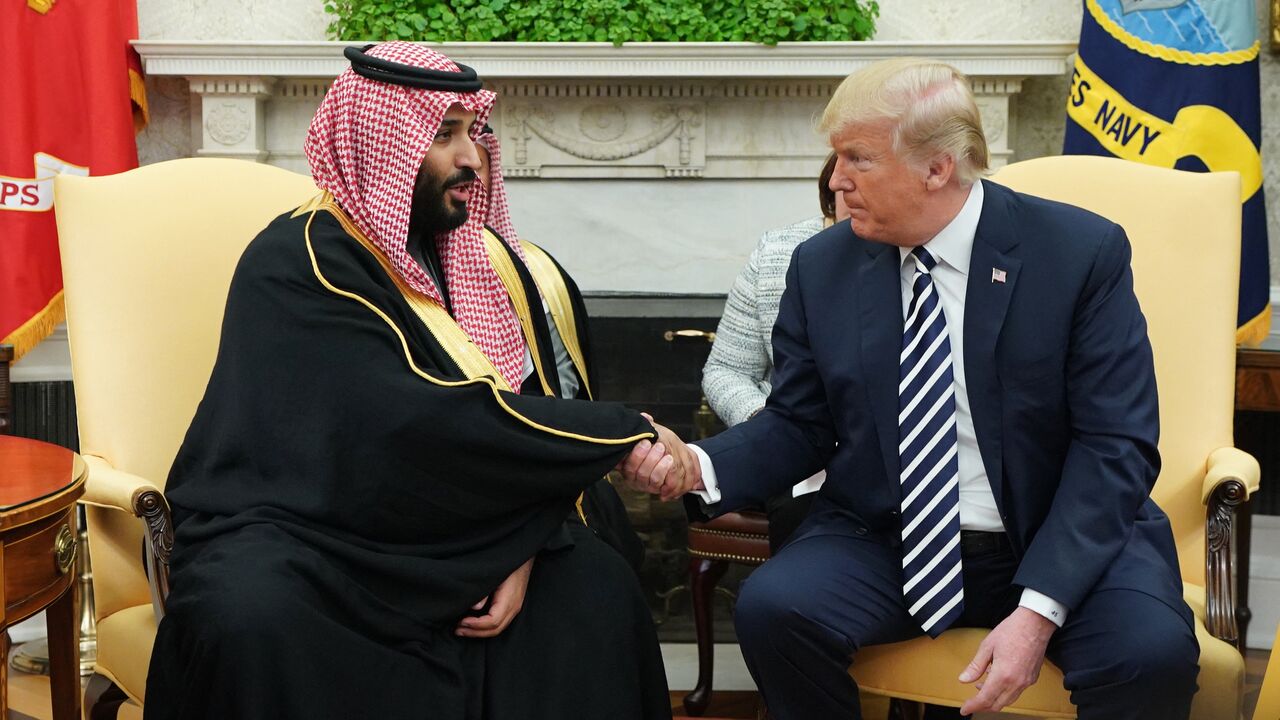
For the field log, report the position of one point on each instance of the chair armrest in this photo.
(1227, 464)
(1232, 475)
(111, 488)
(115, 489)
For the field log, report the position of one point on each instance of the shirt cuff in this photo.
(710, 493)
(1044, 605)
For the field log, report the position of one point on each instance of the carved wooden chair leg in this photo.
(704, 573)
(102, 699)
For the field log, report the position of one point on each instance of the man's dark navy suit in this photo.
(1062, 393)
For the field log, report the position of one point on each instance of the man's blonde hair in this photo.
(929, 103)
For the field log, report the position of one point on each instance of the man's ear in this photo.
(939, 171)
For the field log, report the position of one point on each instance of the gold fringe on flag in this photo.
(1252, 333)
(138, 94)
(37, 328)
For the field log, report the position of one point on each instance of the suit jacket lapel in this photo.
(986, 305)
(880, 300)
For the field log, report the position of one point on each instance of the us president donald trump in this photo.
(971, 367)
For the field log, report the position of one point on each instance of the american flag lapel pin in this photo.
(998, 275)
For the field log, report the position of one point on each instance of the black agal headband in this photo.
(374, 68)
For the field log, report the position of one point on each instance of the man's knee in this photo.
(755, 609)
(772, 612)
(1159, 656)
(567, 587)
(250, 607)
(259, 612)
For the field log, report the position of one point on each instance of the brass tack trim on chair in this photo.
(728, 533)
(727, 556)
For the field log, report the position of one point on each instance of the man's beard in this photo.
(433, 212)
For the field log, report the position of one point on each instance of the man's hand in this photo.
(667, 468)
(646, 467)
(508, 599)
(690, 476)
(1010, 656)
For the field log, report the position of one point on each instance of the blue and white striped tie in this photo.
(932, 583)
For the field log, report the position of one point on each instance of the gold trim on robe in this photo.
(510, 277)
(442, 327)
(552, 286)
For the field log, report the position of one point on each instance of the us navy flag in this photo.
(1174, 83)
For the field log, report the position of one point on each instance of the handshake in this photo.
(667, 468)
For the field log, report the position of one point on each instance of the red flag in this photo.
(69, 90)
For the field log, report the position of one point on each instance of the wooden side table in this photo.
(39, 486)
(1258, 377)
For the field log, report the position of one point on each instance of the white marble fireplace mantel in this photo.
(649, 167)
(603, 60)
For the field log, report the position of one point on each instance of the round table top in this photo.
(35, 471)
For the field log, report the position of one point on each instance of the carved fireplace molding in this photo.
(592, 110)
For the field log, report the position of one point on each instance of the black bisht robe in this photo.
(339, 510)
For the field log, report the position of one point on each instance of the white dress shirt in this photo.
(952, 248)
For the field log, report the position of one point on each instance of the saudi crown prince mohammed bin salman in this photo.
(377, 502)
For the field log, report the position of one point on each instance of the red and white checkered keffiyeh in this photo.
(366, 145)
(497, 211)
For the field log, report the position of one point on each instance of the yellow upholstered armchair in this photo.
(147, 258)
(1185, 231)
(1269, 695)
